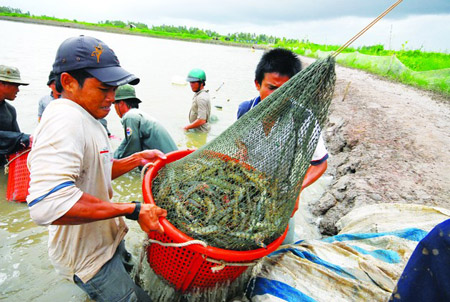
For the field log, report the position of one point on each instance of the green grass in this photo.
(422, 66)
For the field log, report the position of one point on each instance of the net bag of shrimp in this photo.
(238, 191)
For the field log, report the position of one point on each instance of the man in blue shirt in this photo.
(45, 100)
(274, 69)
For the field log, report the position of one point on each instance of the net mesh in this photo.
(238, 191)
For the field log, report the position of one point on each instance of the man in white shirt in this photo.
(71, 168)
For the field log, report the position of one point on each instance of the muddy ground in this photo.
(388, 143)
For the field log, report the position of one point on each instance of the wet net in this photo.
(238, 191)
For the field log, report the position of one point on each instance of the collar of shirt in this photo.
(255, 101)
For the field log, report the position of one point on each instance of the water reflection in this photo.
(195, 140)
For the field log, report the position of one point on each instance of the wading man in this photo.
(11, 139)
(71, 168)
(201, 105)
(45, 100)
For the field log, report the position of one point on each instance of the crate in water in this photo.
(18, 176)
(195, 266)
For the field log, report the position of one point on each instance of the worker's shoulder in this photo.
(203, 95)
(67, 112)
(134, 114)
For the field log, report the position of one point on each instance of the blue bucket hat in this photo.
(95, 57)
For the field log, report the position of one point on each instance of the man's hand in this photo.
(148, 156)
(123, 165)
(149, 218)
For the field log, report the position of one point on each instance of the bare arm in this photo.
(312, 174)
(89, 209)
(195, 124)
(123, 165)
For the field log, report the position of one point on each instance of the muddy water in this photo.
(25, 271)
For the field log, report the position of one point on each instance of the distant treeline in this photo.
(414, 60)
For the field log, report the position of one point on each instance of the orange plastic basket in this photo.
(18, 177)
(193, 266)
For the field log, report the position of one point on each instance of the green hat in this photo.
(126, 92)
(11, 75)
(196, 75)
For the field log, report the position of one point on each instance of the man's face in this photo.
(8, 91)
(118, 107)
(271, 82)
(195, 86)
(52, 86)
(95, 97)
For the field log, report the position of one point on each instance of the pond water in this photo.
(25, 271)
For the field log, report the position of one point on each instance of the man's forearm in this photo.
(195, 124)
(11, 141)
(313, 173)
(124, 165)
(89, 208)
(121, 166)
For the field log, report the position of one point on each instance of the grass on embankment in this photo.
(426, 70)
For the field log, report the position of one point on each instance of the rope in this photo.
(223, 264)
(214, 269)
(13, 159)
(190, 242)
(365, 29)
(144, 169)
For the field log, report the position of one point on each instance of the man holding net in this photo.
(71, 168)
(274, 69)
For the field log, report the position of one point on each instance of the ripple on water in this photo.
(3, 278)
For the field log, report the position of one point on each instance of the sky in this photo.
(414, 24)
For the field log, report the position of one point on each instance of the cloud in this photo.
(262, 12)
(281, 11)
(421, 22)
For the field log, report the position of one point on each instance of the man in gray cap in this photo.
(11, 139)
(142, 131)
(71, 168)
(54, 94)
(45, 100)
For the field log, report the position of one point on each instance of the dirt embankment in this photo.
(388, 143)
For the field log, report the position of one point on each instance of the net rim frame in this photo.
(171, 231)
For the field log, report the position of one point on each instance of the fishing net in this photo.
(238, 191)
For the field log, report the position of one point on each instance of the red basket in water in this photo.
(193, 266)
(18, 176)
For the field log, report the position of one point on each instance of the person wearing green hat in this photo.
(11, 138)
(201, 105)
(142, 131)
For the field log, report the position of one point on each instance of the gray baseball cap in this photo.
(11, 75)
(95, 57)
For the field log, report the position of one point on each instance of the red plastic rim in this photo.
(179, 237)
